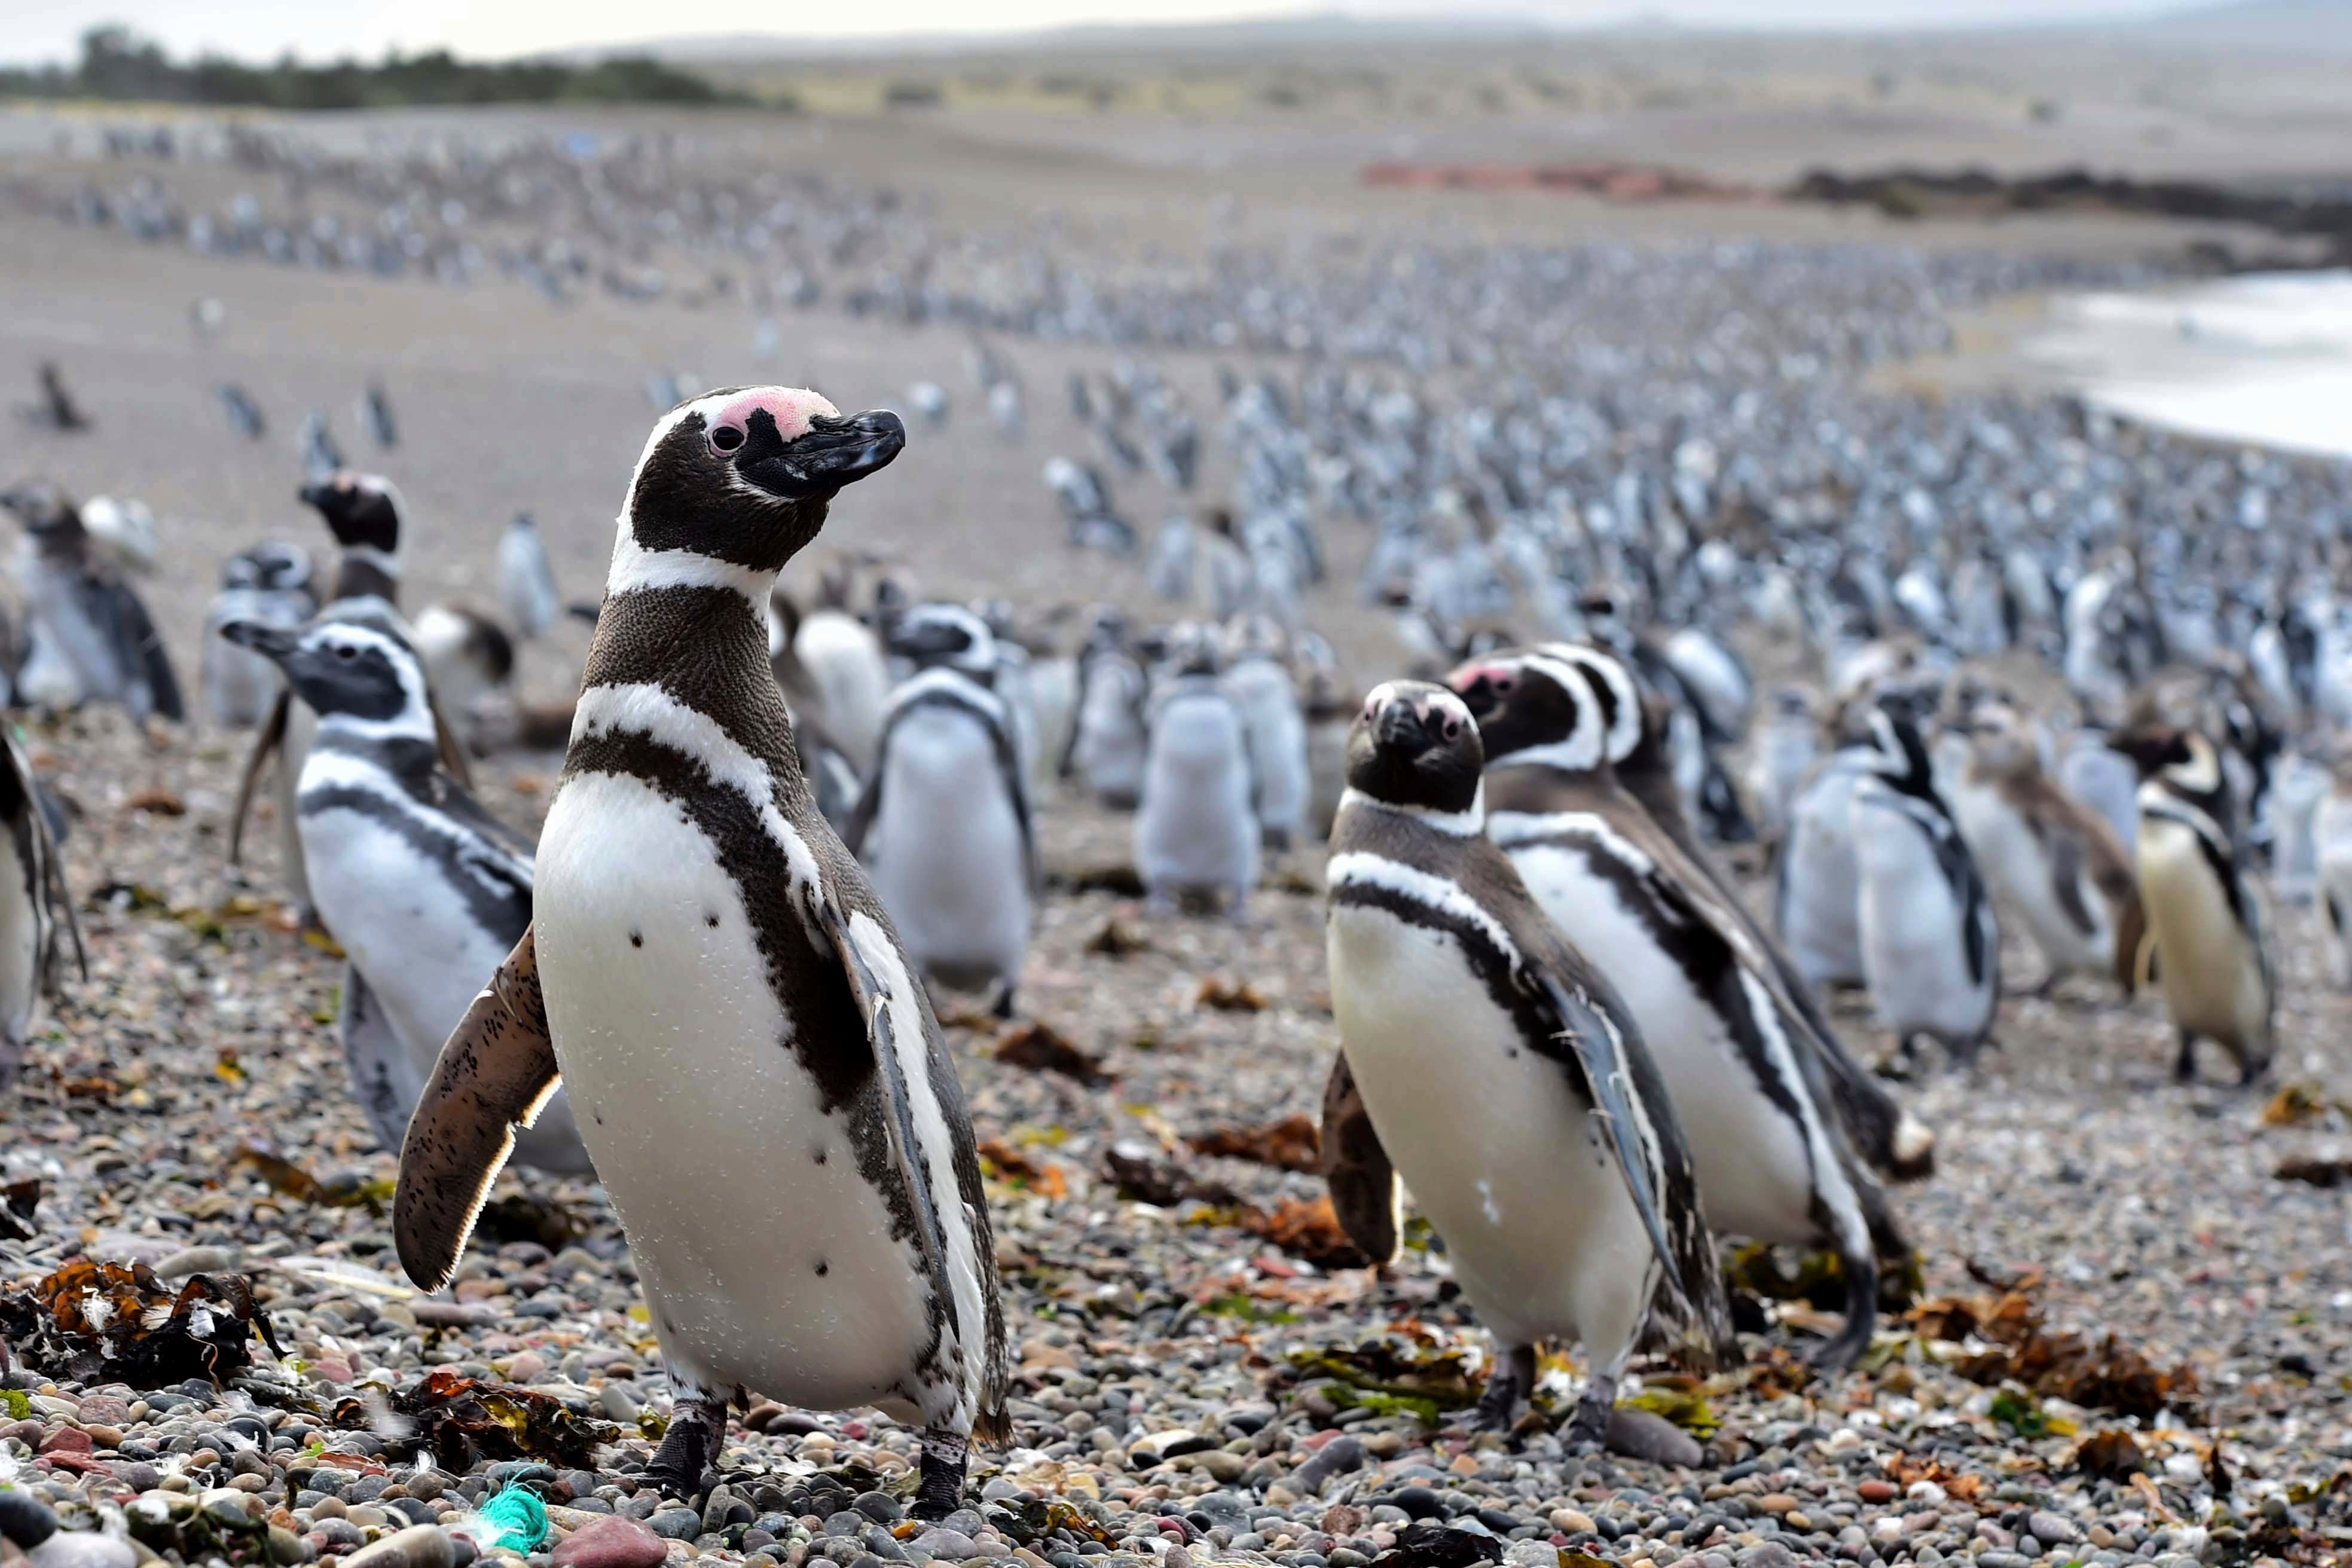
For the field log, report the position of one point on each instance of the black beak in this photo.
(1400, 729)
(317, 493)
(833, 453)
(1477, 694)
(274, 644)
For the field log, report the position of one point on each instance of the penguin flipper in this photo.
(495, 1074)
(1637, 1118)
(272, 736)
(860, 955)
(375, 1056)
(453, 756)
(1357, 1168)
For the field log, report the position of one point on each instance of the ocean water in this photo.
(2266, 359)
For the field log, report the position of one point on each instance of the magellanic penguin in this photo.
(2332, 837)
(526, 578)
(424, 889)
(1503, 1078)
(1257, 677)
(944, 825)
(33, 897)
(1195, 832)
(1633, 735)
(1930, 940)
(362, 511)
(2046, 855)
(269, 583)
(720, 991)
(1108, 742)
(1736, 1052)
(89, 636)
(2213, 953)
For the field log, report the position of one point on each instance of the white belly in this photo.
(1495, 1146)
(1754, 1176)
(1196, 830)
(1914, 949)
(2017, 870)
(1818, 908)
(2211, 976)
(945, 854)
(765, 1258)
(20, 950)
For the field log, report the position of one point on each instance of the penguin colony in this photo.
(794, 801)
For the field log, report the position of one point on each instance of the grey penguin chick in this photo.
(269, 583)
(1502, 1077)
(1195, 830)
(527, 580)
(719, 988)
(424, 889)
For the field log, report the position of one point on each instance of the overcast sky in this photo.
(46, 29)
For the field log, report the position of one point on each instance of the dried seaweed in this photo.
(530, 1217)
(2112, 1455)
(1228, 994)
(1113, 940)
(1817, 1279)
(346, 1190)
(1411, 1374)
(106, 1322)
(1306, 1228)
(1008, 1164)
(466, 1420)
(1429, 1544)
(2099, 1375)
(1041, 1049)
(1138, 1173)
(2319, 1171)
(1293, 1144)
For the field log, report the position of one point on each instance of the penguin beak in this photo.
(317, 493)
(1400, 729)
(833, 453)
(272, 642)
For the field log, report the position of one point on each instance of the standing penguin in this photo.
(2212, 946)
(2332, 836)
(1194, 831)
(1572, 1210)
(720, 990)
(269, 583)
(89, 636)
(1931, 942)
(1108, 743)
(944, 825)
(32, 896)
(1633, 735)
(1258, 680)
(424, 889)
(526, 579)
(1785, 747)
(1772, 1159)
(851, 676)
(2046, 855)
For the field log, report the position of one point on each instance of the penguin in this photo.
(1195, 831)
(944, 826)
(1328, 717)
(1930, 941)
(1259, 682)
(2212, 952)
(321, 458)
(123, 534)
(245, 416)
(1634, 733)
(720, 990)
(525, 581)
(1772, 1159)
(89, 635)
(33, 903)
(2105, 780)
(849, 673)
(375, 412)
(425, 891)
(1785, 748)
(2332, 833)
(2045, 855)
(363, 513)
(1108, 743)
(1505, 1081)
(1815, 875)
(269, 583)
(833, 778)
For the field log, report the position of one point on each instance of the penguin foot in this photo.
(2184, 1063)
(940, 1491)
(1004, 1007)
(679, 1465)
(1588, 1430)
(1845, 1347)
(1513, 1379)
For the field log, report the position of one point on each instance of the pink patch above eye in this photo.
(791, 407)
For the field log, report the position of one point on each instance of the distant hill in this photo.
(2303, 26)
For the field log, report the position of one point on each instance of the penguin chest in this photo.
(1495, 1145)
(2206, 963)
(1196, 829)
(404, 923)
(1819, 871)
(21, 930)
(2022, 875)
(947, 853)
(1915, 937)
(1713, 1037)
(768, 1260)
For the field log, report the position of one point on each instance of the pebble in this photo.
(610, 1541)
(418, 1546)
(1644, 1434)
(24, 1520)
(82, 1549)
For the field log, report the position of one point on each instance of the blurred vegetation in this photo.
(115, 63)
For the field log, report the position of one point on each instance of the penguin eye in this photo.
(1504, 684)
(345, 651)
(1371, 707)
(1452, 728)
(727, 437)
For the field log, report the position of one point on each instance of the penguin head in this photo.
(346, 670)
(1627, 717)
(1415, 744)
(1531, 707)
(945, 636)
(2153, 747)
(744, 475)
(361, 510)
